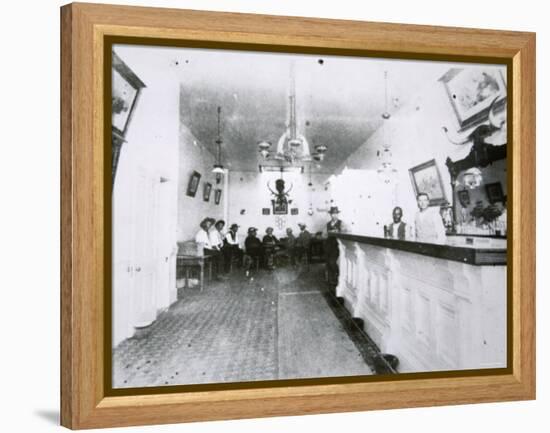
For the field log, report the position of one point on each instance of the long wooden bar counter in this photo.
(436, 307)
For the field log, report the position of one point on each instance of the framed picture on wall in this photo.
(193, 184)
(426, 178)
(494, 192)
(206, 192)
(471, 92)
(217, 195)
(266, 211)
(126, 89)
(280, 207)
(294, 211)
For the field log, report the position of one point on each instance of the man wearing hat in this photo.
(303, 242)
(231, 247)
(217, 235)
(335, 225)
(253, 248)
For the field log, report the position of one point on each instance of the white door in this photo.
(145, 251)
(165, 236)
(144, 239)
(123, 226)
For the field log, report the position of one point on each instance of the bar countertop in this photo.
(470, 254)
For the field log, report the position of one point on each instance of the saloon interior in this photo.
(277, 140)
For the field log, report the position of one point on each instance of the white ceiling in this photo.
(339, 99)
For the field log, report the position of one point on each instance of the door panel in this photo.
(144, 259)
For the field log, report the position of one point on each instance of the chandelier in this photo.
(386, 171)
(218, 167)
(292, 146)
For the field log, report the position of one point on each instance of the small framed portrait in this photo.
(126, 87)
(193, 184)
(266, 211)
(471, 92)
(426, 179)
(494, 192)
(294, 211)
(217, 195)
(280, 207)
(464, 197)
(206, 192)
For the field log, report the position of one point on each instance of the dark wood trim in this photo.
(469, 255)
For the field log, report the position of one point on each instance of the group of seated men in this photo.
(224, 247)
(265, 251)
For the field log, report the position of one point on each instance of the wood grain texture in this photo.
(83, 400)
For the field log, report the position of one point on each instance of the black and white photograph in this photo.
(358, 225)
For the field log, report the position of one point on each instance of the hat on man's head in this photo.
(301, 225)
(333, 210)
(269, 228)
(234, 227)
(252, 229)
(204, 221)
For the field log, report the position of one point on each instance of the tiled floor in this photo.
(275, 325)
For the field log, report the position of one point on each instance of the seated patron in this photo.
(428, 225)
(202, 237)
(217, 235)
(270, 244)
(290, 244)
(253, 248)
(231, 248)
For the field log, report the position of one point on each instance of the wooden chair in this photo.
(235, 260)
(282, 256)
(252, 261)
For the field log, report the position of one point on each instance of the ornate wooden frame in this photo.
(85, 185)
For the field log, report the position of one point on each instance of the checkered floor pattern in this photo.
(226, 333)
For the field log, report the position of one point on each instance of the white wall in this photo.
(31, 217)
(150, 152)
(193, 156)
(248, 191)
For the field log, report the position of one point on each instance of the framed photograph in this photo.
(494, 192)
(147, 334)
(193, 184)
(217, 195)
(126, 88)
(207, 191)
(294, 211)
(426, 178)
(280, 207)
(472, 90)
(266, 211)
(464, 197)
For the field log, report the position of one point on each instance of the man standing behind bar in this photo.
(429, 227)
(397, 229)
(332, 251)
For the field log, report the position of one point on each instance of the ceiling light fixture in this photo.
(218, 167)
(292, 146)
(386, 172)
(264, 147)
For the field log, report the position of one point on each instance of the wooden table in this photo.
(188, 262)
